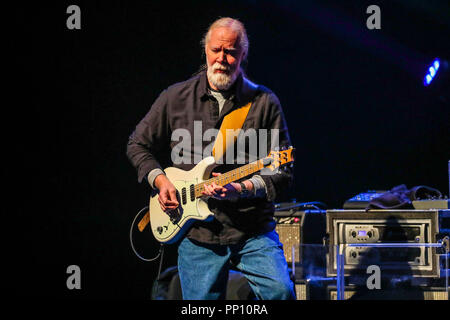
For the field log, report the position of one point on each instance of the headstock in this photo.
(279, 158)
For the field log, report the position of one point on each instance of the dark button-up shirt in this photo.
(150, 147)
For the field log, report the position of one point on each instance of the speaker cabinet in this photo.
(302, 290)
(289, 236)
(298, 228)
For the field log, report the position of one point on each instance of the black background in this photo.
(358, 113)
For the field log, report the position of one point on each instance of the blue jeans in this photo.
(203, 268)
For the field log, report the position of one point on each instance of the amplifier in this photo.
(431, 204)
(288, 216)
(302, 289)
(290, 233)
(296, 227)
(412, 293)
(383, 226)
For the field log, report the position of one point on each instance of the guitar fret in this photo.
(229, 177)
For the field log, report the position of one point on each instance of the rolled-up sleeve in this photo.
(150, 137)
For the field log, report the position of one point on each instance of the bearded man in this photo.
(242, 234)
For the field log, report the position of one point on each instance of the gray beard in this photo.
(220, 80)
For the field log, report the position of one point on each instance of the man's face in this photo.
(223, 57)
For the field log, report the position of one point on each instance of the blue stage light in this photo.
(436, 64)
(432, 71)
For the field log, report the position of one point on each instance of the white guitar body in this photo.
(170, 227)
(190, 209)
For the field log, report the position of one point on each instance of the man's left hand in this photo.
(227, 192)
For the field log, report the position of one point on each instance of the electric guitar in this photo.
(169, 227)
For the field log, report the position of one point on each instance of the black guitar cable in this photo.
(161, 248)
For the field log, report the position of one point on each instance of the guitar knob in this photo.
(159, 229)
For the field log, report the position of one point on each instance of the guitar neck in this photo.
(230, 176)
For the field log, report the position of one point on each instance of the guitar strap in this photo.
(231, 124)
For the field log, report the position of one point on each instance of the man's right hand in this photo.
(167, 193)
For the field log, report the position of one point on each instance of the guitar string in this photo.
(247, 169)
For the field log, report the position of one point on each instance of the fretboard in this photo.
(230, 176)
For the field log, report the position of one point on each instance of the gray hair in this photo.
(233, 24)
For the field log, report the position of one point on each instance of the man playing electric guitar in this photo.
(179, 132)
